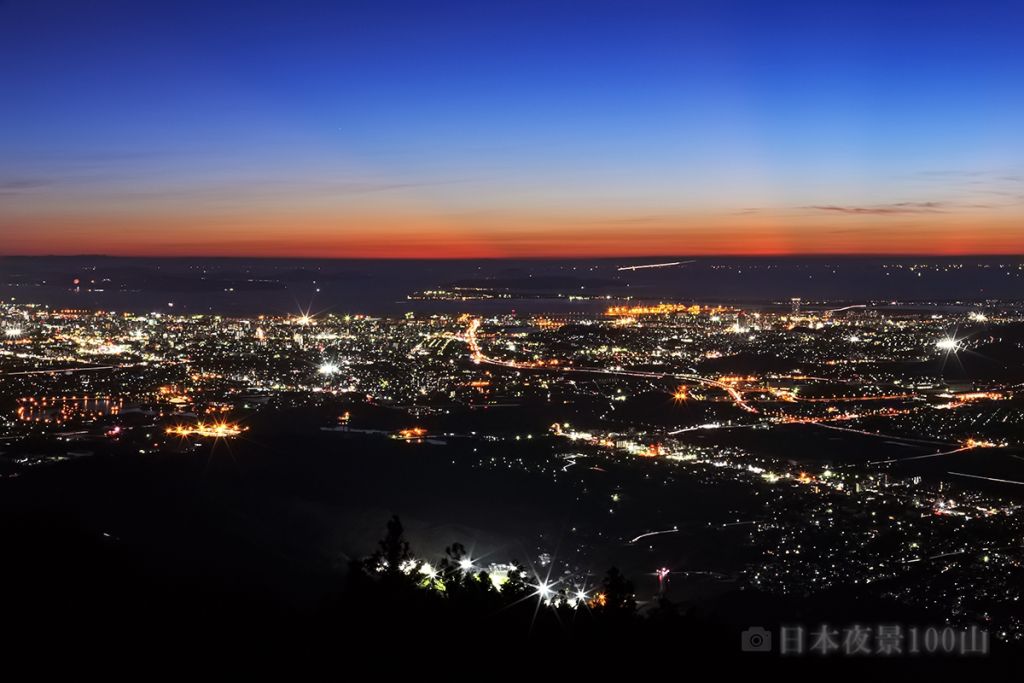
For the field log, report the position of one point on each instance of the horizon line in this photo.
(553, 257)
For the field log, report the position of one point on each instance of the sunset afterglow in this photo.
(510, 131)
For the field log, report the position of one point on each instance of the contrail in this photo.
(655, 265)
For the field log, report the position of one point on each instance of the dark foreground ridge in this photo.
(198, 590)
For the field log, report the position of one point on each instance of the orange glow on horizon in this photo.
(507, 236)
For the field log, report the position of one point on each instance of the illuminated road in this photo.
(935, 557)
(922, 457)
(853, 399)
(65, 371)
(654, 533)
(880, 436)
(654, 265)
(993, 479)
(478, 357)
(676, 530)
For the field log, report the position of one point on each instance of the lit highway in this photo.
(478, 356)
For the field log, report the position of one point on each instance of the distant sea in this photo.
(237, 286)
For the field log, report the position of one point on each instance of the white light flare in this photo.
(329, 369)
(544, 591)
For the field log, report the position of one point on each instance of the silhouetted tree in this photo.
(619, 598)
(391, 591)
(516, 587)
(450, 570)
(394, 551)
(466, 584)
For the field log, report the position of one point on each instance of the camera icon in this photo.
(756, 639)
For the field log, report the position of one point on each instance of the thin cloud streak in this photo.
(885, 209)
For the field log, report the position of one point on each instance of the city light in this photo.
(452, 389)
(216, 430)
(329, 369)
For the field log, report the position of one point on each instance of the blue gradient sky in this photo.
(511, 128)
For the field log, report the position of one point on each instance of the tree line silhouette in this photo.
(394, 592)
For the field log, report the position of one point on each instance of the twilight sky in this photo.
(511, 128)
